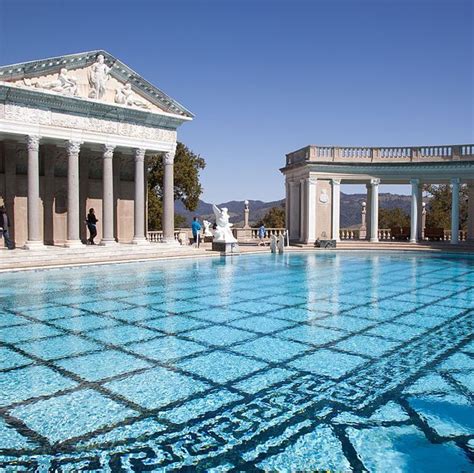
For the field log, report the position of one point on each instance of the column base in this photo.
(413, 240)
(108, 243)
(33, 245)
(454, 242)
(140, 241)
(170, 242)
(73, 244)
(374, 240)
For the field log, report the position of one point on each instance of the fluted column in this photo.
(311, 184)
(302, 210)
(139, 211)
(35, 239)
(108, 196)
(168, 198)
(336, 208)
(470, 211)
(374, 210)
(455, 211)
(73, 237)
(414, 210)
(287, 205)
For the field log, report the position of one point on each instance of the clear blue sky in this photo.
(266, 77)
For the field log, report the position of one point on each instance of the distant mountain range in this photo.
(350, 208)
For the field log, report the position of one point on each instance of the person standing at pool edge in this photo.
(196, 228)
(91, 222)
(261, 235)
(4, 225)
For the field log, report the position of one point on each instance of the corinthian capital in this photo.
(168, 158)
(73, 147)
(32, 142)
(108, 151)
(375, 182)
(140, 154)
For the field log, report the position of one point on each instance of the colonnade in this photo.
(73, 148)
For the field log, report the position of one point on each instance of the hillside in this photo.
(350, 208)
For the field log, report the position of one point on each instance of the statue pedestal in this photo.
(226, 248)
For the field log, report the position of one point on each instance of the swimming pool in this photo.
(341, 362)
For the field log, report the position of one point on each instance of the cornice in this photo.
(87, 107)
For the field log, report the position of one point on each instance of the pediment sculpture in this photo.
(125, 96)
(98, 74)
(63, 84)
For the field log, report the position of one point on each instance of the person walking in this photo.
(196, 228)
(4, 226)
(91, 221)
(261, 235)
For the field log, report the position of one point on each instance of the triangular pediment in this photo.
(95, 75)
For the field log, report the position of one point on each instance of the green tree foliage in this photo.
(274, 218)
(438, 213)
(187, 187)
(396, 217)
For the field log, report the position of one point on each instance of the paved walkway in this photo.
(56, 256)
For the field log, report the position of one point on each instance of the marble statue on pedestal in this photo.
(207, 228)
(99, 74)
(223, 232)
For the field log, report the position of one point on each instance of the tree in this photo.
(395, 217)
(438, 213)
(187, 187)
(274, 218)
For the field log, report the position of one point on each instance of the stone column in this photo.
(369, 211)
(34, 238)
(423, 220)
(10, 153)
(73, 237)
(108, 197)
(414, 210)
(455, 210)
(470, 211)
(302, 210)
(287, 206)
(311, 210)
(420, 229)
(374, 210)
(139, 208)
(168, 199)
(336, 208)
(246, 214)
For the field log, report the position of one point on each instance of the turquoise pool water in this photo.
(303, 362)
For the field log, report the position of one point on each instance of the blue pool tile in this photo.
(345, 323)
(312, 334)
(104, 306)
(420, 320)
(156, 387)
(286, 299)
(271, 349)
(58, 347)
(443, 311)
(10, 438)
(32, 381)
(53, 312)
(459, 361)
(84, 323)
(104, 364)
(256, 307)
(71, 415)
(373, 313)
(296, 314)
(192, 410)
(431, 383)
(450, 415)
(11, 359)
(369, 346)
(262, 324)
(218, 314)
(165, 349)
(219, 335)
(174, 323)
(136, 314)
(18, 333)
(319, 450)
(7, 319)
(261, 381)
(465, 379)
(396, 331)
(405, 449)
(122, 334)
(220, 366)
(328, 363)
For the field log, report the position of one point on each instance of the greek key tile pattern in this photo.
(304, 362)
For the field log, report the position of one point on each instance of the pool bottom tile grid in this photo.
(308, 362)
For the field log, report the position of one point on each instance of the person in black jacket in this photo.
(91, 222)
(4, 225)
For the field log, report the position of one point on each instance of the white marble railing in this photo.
(385, 234)
(157, 236)
(269, 232)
